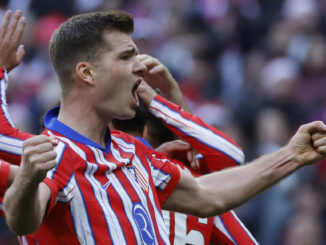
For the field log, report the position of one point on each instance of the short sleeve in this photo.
(165, 174)
(58, 178)
(4, 176)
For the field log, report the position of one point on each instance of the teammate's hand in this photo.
(11, 31)
(180, 150)
(38, 157)
(146, 93)
(157, 75)
(309, 143)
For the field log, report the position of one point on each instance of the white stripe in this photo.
(80, 217)
(218, 223)
(102, 198)
(100, 194)
(166, 217)
(60, 151)
(4, 84)
(77, 205)
(160, 178)
(143, 198)
(125, 198)
(67, 193)
(157, 175)
(244, 227)
(24, 240)
(130, 148)
(11, 145)
(195, 130)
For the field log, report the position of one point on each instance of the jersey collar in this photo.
(145, 142)
(51, 122)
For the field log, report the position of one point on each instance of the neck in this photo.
(81, 117)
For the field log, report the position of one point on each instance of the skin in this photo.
(105, 91)
(10, 34)
(88, 109)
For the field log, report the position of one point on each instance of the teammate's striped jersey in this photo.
(11, 139)
(218, 151)
(106, 195)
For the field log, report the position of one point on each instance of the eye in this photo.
(125, 57)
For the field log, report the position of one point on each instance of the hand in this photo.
(146, 93)
(38, 157)
(157, 75)
(180, 150)
(10, 35)
(309, 143)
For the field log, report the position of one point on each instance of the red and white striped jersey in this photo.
(106, 195)
(217, 151)
(11, 139)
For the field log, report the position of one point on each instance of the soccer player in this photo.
(105, 187)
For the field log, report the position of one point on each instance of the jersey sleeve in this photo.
(165, 174)
(59, 179)
(228, 229)
(218, 149)
(4, 177)
(11, 139)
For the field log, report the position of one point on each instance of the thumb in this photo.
(54, 141)
(313, 127)
(20, 53)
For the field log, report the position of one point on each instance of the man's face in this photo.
(118, 74)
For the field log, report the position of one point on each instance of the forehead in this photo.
(119, 41)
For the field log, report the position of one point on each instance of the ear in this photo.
(85, 72)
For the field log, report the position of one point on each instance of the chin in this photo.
(126, 116)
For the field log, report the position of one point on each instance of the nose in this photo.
(139, 68)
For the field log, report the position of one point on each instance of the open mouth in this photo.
(134, 91)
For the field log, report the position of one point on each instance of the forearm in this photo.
(203, 137)
(175, 95)
(11, 138)
(232, 187)
(24, 212)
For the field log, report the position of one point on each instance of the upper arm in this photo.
(190, 197)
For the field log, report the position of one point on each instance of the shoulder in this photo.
(122, 138)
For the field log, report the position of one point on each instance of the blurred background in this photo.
(253, 68)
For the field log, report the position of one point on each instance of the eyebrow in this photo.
(131, 50)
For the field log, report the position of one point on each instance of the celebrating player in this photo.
(106, 186)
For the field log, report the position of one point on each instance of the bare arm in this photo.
(216, 193)
(26, 200)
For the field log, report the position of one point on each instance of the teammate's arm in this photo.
(26, 200)
(11, 54)
(158, 76)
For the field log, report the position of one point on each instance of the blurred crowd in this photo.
(253, 68)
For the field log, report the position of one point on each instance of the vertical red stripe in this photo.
(239, 234)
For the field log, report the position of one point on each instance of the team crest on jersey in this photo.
(138, 176)
(144, 224)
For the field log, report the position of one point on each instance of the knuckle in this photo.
(29, 151)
